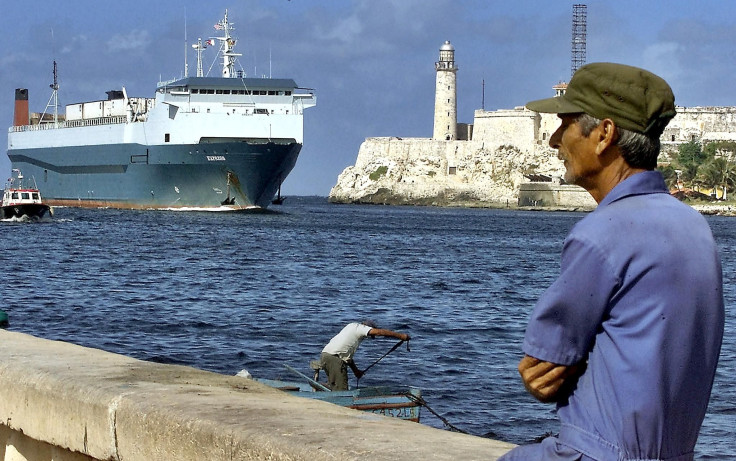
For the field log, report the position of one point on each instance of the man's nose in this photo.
(554, 140)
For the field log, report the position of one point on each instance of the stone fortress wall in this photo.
(491, 161)
(492, 168)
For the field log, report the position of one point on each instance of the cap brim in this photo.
(556, 105)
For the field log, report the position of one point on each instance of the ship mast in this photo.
(54, 99)
(199, 47)
(228, 44)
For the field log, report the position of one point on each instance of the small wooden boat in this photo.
(19, 201)
(403, 403)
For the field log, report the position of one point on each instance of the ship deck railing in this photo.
(98, 121)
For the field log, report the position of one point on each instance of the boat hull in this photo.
(34, 211)
(230, 175)
(397, 403)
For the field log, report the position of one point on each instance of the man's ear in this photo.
(607, 134)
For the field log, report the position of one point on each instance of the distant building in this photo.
(560, 89)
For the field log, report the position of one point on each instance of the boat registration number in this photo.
(216, 158)
(405, 413)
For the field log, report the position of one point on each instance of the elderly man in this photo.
(626, 340)
(338, 354)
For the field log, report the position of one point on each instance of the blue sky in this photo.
(371, 62)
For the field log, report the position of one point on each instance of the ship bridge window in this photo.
(25, 195)
(218, 91)
(271, 93)
(208, 91)
(287, 93)
(14, 195)
(167, 137)
(195, 90)
(35, 196)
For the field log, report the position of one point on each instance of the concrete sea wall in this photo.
(62, 402)
(554, 194)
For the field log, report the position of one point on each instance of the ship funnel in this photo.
(21, 116)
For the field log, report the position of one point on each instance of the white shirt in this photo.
(345, 343)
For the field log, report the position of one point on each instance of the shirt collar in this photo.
(646, 182)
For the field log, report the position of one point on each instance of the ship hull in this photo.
(226, 175)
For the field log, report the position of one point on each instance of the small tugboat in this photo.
(19, 201)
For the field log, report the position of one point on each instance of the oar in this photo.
(396, 346)
(312, 382)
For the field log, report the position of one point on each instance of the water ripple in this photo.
(226, 292)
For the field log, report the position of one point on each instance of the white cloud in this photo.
(346, 30)
(133, 40)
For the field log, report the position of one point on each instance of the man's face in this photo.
(576, 151)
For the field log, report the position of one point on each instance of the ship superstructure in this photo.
(202, 142)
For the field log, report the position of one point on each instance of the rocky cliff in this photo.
(427, 172)
(507, 146)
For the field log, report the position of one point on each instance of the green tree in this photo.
(690, 152)
(670, 175)
(719, 172)
(720, 147)
(690, 157)
(689, 172)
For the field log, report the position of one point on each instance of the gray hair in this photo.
(638, 149)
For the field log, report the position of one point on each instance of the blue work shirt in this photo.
(640, 298)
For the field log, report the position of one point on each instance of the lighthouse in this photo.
(445, 101)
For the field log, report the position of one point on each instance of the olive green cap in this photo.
(635, 99)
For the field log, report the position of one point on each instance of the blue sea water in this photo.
(225, 292)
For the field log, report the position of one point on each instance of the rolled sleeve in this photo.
(567, 317)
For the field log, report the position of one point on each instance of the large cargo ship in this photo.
(223, 143)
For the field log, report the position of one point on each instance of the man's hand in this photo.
(356, 370)
(542, 379)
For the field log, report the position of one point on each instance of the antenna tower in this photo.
(579, 34)
(54, 99)
(199, 47)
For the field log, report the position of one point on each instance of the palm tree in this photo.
(670, 175)
(719, 172)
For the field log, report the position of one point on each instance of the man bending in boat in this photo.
(337, 355)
